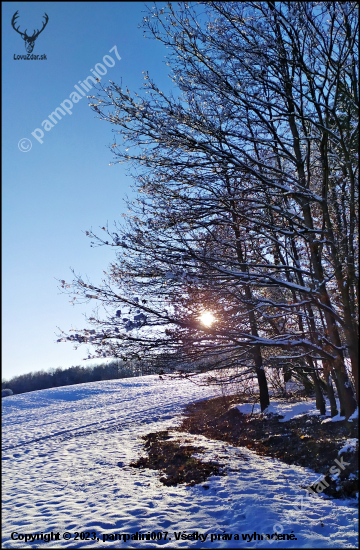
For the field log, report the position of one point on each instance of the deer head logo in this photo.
(29, 40)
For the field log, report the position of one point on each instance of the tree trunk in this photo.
(330, 390)
(320, 401)
(256, 352)
(342, 410)
(260, 373)
(346, 395)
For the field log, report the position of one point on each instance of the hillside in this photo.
(66, 468)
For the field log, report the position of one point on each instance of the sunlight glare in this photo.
(207, 318)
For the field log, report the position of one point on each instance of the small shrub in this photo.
(6, 392)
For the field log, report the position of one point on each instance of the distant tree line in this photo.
(53, 378)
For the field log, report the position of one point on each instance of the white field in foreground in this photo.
(61, 453)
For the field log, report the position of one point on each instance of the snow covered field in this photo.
(65, 469)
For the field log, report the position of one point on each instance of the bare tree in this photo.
(247, 192)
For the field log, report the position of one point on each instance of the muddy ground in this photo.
(302, 441)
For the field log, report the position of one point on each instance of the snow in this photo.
(287, 410)
(337, 418)
(350, 446)
(249, 408)
(354, 415)
(65, 469)
(293, 410)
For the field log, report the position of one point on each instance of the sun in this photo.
(207, 318)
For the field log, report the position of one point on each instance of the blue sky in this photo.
(54, 192)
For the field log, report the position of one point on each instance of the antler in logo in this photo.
(29, 40)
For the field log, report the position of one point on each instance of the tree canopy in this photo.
(246, 206)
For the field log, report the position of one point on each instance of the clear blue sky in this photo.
(59, 189)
